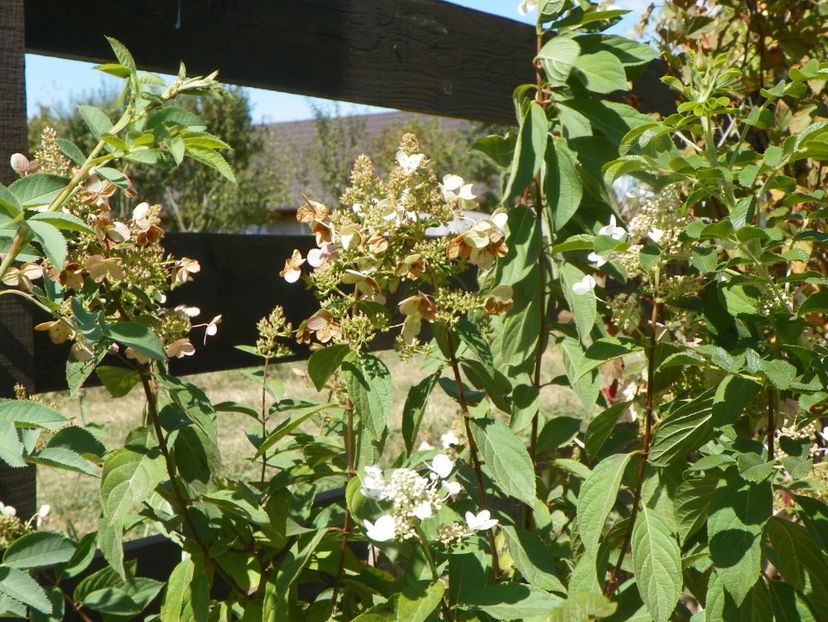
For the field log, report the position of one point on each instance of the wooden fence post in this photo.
(17, 486)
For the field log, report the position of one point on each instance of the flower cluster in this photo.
(116, 267)
(393, 240)
(415, 497)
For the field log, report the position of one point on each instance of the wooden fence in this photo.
(424, 56)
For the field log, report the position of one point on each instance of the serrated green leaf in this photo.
(419, 600)
(62, 220)
(597, 497)
(583, 306)
(121, 53)
(287, 426)
(558, 56)
(137, 336)
(720, 606)
(737, 517)
(561, 182)
(692, 502)
(512, 601)
(789, 605)
(12, 451)
(414, 408)
(95, 119)
(39, 548)
(800, 560)
(37, 190)
(685, 429)
(130, 475)
(62, 458)
(323, 363)
(21, 587)
(601, 427)
(369, 387)
(529, 151)
(51, 240)
(533, 560)
(214, 160)
(657, 563)
(9, 203)
(505, 459)
(29, 414)
(119, 381)
(600, 72)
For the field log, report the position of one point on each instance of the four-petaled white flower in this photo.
(500, 218)
(585, 285)
(656, 235)
(318, 257)
(382, 530)
(612, 230)
(211, 330)
(409, 163)
(448, 439)
(597, 259)
(453, 488)
(824, 434)
(527, 6)
(481, 521)
(454, 187)
(423, 510)
(373, 486)
(7, 510)
(442, 465)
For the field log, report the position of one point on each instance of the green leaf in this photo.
(22, 588)
(580, 606)
(686, 428)
(597, 499)
(62, 220)
(558, 432)
(39, 548)
(130, 475)
(601, 427)
(323, 363)
(51, 240)
(789, 605)
(28, 414)
(587, 387)
(800, 560)
(814, 513)
(612, 119)
(66, 459)
(212, 159)
(12, 451)
(561, 182)
(9, 203)
(78, 371)
(558, 57)
(734, 530)
(815, 303)
(180, 597)
(471, 336)
(657, 562)
(277, 589)
(71, 151)
(505, 459)
(529, 151)
(121, 53)
(288, 425)
(721, 607)
(419, 600)
(95, 119)
(692, 502)
(582, 306)
(118, 380)
(196, 456)
(512, 601)
(499, 148)
(532, 559)
(38, 189)
(603, 350)
(137, 336)
(369, 387)
(414, 408)
(601, 72)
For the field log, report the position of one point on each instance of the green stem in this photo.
(447, 615)
(264, 419)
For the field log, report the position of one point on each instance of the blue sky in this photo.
(56, 81)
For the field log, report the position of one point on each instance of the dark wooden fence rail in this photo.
(419, 55)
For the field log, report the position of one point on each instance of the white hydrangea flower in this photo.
(454, 187)
(382, 530)
(612, 230)
(422, 510)
(409, 163)
(597, 259)
(373, 485)
(7, 510)
(527, 6)
(656, 234)
(453, 488)
(481, 521)
(442, 465)
(449, 439)
(585, 285)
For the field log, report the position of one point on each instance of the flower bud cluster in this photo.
(389, 241)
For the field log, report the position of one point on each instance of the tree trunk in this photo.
(17, 486)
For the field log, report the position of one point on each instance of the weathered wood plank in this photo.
(17, 486)
(419, 55)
